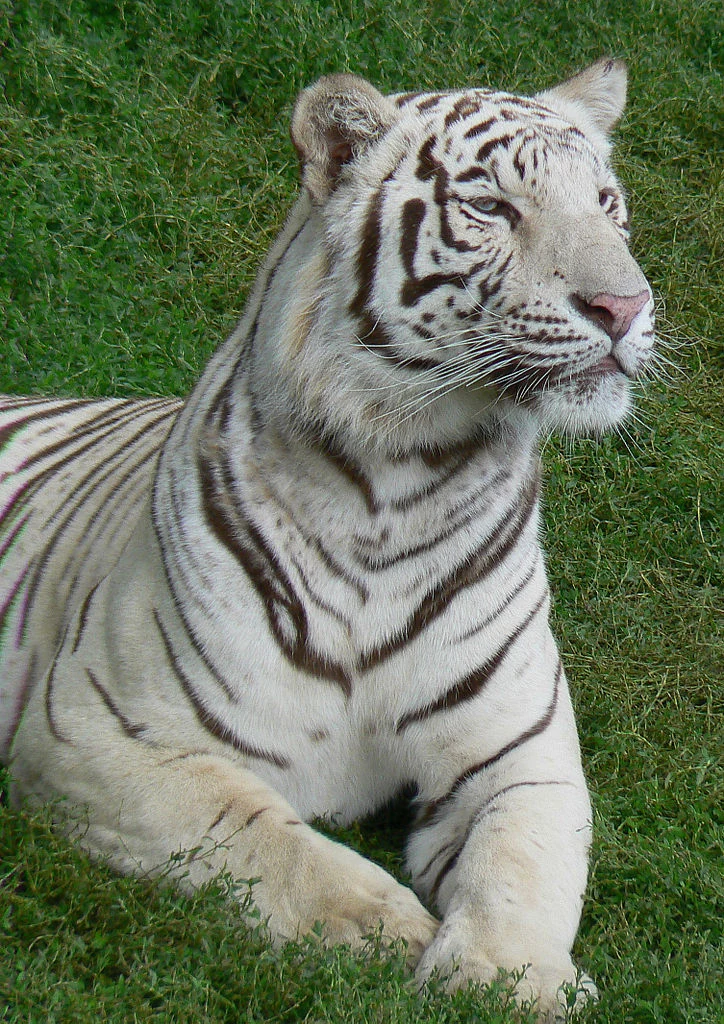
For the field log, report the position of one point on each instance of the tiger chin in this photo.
(319, 579)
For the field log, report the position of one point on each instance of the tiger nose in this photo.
(613, 313)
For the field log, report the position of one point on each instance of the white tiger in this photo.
(329, 584)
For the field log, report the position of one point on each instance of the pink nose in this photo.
(614, 313)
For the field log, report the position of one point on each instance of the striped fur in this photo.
(320, 580)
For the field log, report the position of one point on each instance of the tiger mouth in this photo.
(609, 364)
(603, 368)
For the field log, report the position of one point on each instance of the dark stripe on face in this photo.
(415, 288)
(519, 163)
(372, 334)
(429, 168)
(464, 108)
(471, 685)
(476, 567)
(474, 173)
(489, 147)
(478, 129)
(206, 718)
(367, 255)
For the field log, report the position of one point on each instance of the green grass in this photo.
(144, 169)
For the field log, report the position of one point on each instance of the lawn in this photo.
(145, 167)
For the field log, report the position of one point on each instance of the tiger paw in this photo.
(332, 890)
(554, 988)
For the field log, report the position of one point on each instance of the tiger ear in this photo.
(333, 122)
(593, 99)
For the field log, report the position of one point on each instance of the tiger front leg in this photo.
(189, 815)
(503, 856)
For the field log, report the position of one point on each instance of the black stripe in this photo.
(458, 517)
(227, 519)
(429, 103)
(206, 718)
(320, 602)
(54, 731)
(478, 129)
(470, 685)
(443, 872)
(487, 808)
(133, 730)
(12, 595)
(480, 626)
(118, 450)
(372, 334)
(220, 816)
(406, 97)
(83, 617)
(50, 409)
(267, 286)
(352, 472)
(103, 424)
(21, 699)
(501, 142)
(433, 487)
(476, 566)
(8, 542)
(453, 844)
(463, 108)
(69, 517)
(434, 809)
(254, 815)
(535, 730)
(169, 550)
(337, 570)
(474, 173)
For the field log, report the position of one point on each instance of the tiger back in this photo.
(75, 475)
(319, 581)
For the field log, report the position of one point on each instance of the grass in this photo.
(144, 169)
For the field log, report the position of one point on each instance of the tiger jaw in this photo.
(597, 397)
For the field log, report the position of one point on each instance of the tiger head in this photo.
(474, 254)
